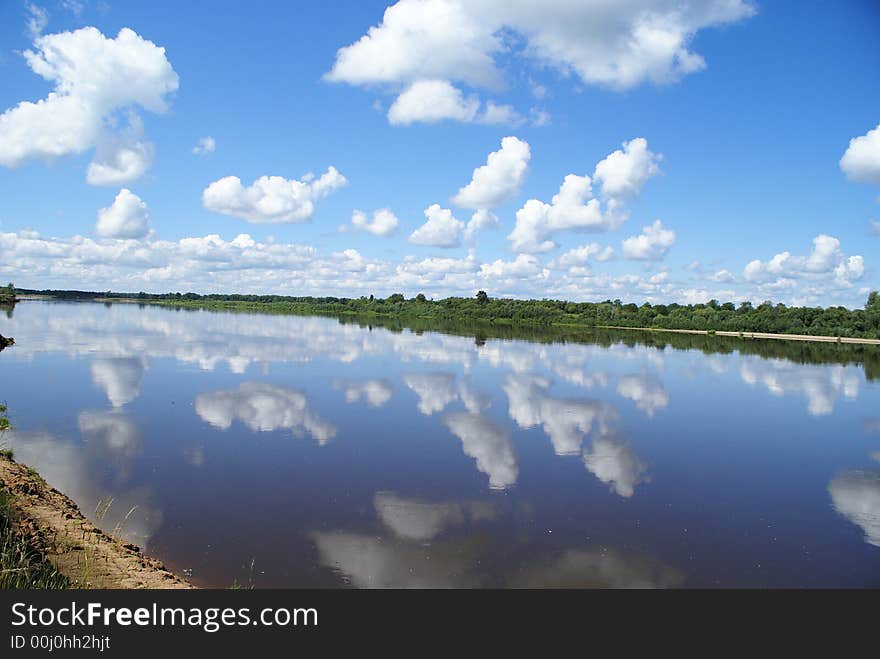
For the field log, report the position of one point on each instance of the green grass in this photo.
(22, 565)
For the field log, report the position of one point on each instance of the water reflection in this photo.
(612, 460)
(374, 392)
(263, 408)
(595, 439)
(119, 378)
(645, 390)
(442, 545)
(130, 513)
(487, 443)
(856, 496)
(821, 386)
(437, 390)
(566, 422)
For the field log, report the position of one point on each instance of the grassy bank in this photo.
(47, 543)
(22, 564)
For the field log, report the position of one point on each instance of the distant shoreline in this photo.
(495, 312)
(752, 335)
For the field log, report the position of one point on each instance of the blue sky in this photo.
(725, 120)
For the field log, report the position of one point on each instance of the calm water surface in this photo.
(299, 451)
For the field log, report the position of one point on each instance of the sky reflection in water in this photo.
(328, 454)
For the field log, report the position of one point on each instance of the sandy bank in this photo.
(78, 549)
(754, 335)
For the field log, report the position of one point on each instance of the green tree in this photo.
(873, 303)
(482, 297)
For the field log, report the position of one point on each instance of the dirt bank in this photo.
(89, 557)
(755, 335)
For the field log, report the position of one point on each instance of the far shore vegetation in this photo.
(713, 316)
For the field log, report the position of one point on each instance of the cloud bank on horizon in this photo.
(533, 219)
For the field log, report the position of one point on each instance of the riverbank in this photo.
(754, 335)
(53, 528)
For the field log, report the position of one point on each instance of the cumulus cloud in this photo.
(650, 245)
(431, 101)
(205, 146)
(826, 262)
(861, 161)
(94, 78)
(121, 158)
(480, 220)
(620, 177)
(384, 222)
(263, 408)
(271, 199)
(126, 217)
(442, 229)
(499, 179)
(619, 45)
(580, 256)
(623, 172)
(37, 19)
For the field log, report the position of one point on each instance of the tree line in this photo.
(711, 316)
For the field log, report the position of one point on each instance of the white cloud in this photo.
(37, 19)
(124, 164)
(580, 256)
(442, 229)
(524, 265)
(480, 220)
(431, 101)
(263, 408)
(121, 158)
(205, 146)
(622, 173)
(620, 176)
(861, 161)
(94, 78)
(825, 263)
(619, 45)
(384, 222)
(499, 179)
(723, 276)
(650, 245)
(271, 199)
(614, 44)
(127, 217)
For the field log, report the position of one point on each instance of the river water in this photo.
(291, 451)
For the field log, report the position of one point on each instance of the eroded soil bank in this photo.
(88, 556)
